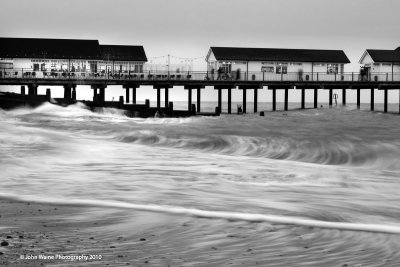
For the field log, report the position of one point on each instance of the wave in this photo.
(332, 152)
(232, 216)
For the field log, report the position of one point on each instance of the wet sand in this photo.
(121, 238)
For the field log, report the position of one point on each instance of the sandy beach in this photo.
(77, 236)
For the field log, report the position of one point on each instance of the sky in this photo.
(187, 28)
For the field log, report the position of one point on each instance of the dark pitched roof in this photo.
(384, 55)
(49, 48)
(278, 54)
(123, 52)
(398, 48)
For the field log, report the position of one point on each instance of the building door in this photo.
(35, 67)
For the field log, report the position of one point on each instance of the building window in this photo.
(376, 64)
(319, 65)
(296, 64)
(332, 68)
(386, 64)
(226, 68)
(267, 69)
(6, 65)
(281, 68)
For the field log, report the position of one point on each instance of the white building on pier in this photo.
(259, 63)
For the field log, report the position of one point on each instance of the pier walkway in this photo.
(199, 80)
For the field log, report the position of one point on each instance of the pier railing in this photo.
(199, 76)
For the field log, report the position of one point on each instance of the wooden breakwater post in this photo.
(121, 101)
(147, 103)
(22, 90)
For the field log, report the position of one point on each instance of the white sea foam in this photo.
(235, 216)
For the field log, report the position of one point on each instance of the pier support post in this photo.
(22, 90)
(32, 89)
(127, 94)
(385, 104)
(229, 100)
(166, 93)
(48, 94)
(315, 98)
(147, 103)
(73, 96)
(189, 99)
(94, 94)
(67, 92)
(134, 95)
(220, 99)
(344, 97)
(99, 96)
(244, 100)
(273, 99)
(198, 95)
(102, 94)
(255, 99)
(358, 98)
(193, 109)
(303, 98)
(330, 97)
(286, 99)
(372, 99)
(158, 98)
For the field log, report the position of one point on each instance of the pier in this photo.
(163, 81)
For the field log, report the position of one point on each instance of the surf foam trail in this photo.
(235, 216)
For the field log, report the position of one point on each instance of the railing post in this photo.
(317, 77)
(281, 75)
(263, 76)
(352, 76)
(387, 76)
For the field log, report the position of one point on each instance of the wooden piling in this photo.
(198, 95)
(193, 109)
(316, 97)
(344, 97)
(22, 90)
(303, 98)
(73, 96)
(102, 94)
(166, 96)
(134, 95)
(220, 99)
(48, 94)
(127, 94)
(330, 97)
(121, 100)
(171, 106)
(244, 100)
(385, 104)
(147, 103)
(158, 98)
(372, 99)
(229, 100)
(286, 99)
(189, 98)
(67, 92)
(274, 99)
(358, 98)
(255, 99)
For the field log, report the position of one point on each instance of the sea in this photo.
(313, 187)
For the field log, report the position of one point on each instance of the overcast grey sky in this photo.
(187, 28)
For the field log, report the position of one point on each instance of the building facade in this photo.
(380, 65)
(42, 57)
(262, 63)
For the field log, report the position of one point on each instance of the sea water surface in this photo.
(332, 175)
